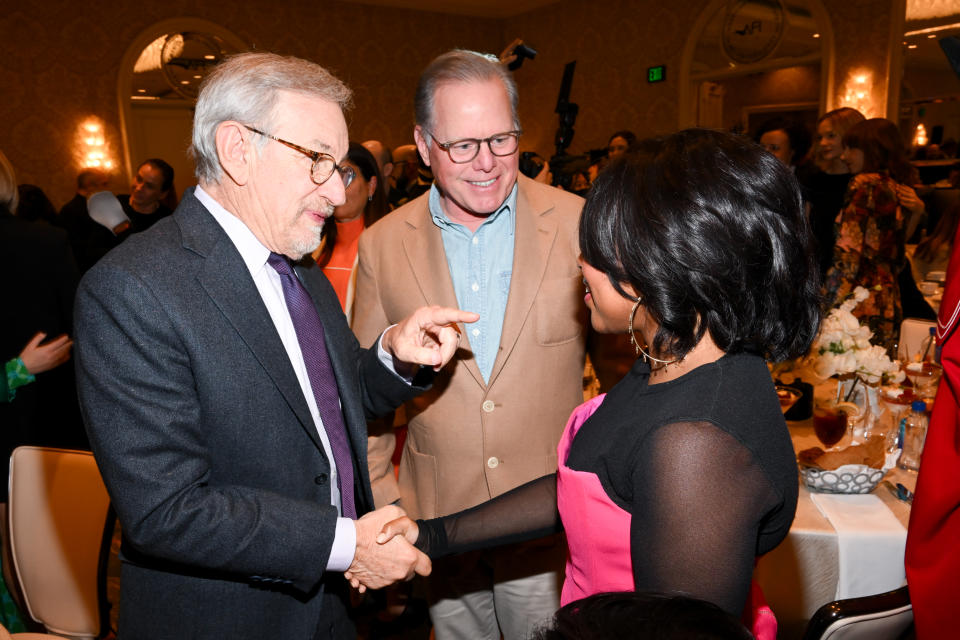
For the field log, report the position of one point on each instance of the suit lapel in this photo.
(226, 279)
(423, 246)
(533, 240)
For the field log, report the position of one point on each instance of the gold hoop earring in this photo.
(636, 343)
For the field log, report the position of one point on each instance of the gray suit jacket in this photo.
(205, 440)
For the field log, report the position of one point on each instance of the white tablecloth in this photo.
(803, 573)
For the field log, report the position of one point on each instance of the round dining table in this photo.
(839, 546)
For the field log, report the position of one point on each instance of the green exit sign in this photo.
(657, 74)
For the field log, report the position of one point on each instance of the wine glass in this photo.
(897, 401)
(924, 376)
(831, 422)
(788, 396)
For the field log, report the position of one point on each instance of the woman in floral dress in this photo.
(869, 251)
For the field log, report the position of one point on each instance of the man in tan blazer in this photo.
(506, 247)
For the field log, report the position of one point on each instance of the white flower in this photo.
(825, 366)
(843, 346)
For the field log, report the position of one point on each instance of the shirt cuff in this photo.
(402, 370)
(344, 546)
(17, 375)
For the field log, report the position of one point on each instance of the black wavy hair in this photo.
(638, 614)
(710, 231)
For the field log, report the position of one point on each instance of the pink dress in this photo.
(595, 563)
(598, 535)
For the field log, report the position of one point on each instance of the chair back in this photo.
(59, 514)
(912, 333)
(885, 616)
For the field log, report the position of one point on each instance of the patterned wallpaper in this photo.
(60, 60)
(862, 30)
(59, 63)
(613, 42)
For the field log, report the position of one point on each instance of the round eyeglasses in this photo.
(323, 165)
(465, 150)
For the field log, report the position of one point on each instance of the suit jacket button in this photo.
(488, 406)
(492, 462)
(320, 479)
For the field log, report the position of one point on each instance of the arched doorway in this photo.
(157, 89)
(749, 60)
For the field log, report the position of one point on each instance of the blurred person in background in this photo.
(152, 184)
(619, 143)
(405, 163)
(39, 286)
(34, 205)
(870, 246)
(933, 252)
(825, 185)
(788, 141)
(384, 158)
(366, 203)
(74, 216)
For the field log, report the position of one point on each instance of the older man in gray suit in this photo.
(224, 395)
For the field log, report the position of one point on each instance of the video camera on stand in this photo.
(563, 166)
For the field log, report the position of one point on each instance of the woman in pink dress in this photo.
(680, 476)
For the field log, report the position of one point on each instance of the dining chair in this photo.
(885, 616)
(6, 635)
(912, 333)
(60, 525)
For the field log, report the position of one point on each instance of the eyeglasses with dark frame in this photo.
(465, 150)
(323, 165)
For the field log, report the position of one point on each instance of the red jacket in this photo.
(933, 538)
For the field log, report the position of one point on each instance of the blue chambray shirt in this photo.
(480, 265)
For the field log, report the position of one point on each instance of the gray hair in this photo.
(8, 185)
(245, 88)
(460, 65)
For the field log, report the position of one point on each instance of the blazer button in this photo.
(488, 406)
(492, 462)
(320, 479)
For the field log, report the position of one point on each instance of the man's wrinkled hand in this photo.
(377, 565)
(428, 337)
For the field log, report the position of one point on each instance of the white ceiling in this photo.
(476, 8)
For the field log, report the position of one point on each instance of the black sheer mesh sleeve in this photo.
(701, 498)
(524, 513)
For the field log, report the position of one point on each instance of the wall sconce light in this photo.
(920, 136)
(858, 92)
(92, 148)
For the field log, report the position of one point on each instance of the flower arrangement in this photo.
(843, 348)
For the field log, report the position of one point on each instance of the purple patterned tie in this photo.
(309, 330)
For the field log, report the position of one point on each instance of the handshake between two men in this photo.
(427, 338)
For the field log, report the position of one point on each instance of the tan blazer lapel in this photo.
(533, 240)
(423, 246)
